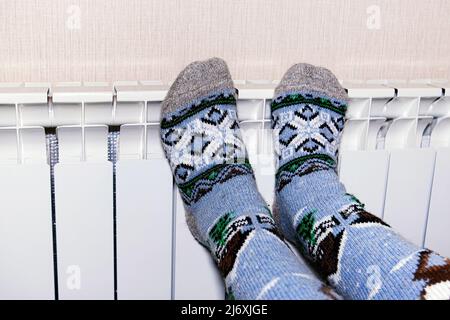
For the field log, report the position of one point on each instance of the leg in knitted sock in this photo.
(359, 254)
(224, 211)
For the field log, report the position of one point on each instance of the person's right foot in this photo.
(359, 254)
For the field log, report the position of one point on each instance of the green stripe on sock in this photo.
(293, 165)
(220, 100)
(293, 99)
(209, 174)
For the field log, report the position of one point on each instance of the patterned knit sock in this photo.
(359, 254)
(224, 211)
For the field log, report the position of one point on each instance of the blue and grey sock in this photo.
(224, 210)
(359, 254)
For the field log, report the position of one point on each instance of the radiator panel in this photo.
(196, 277)
(26, 242)
(365, 173)
(144, 229)
(438, 226)
(408, 192)
(84, 226)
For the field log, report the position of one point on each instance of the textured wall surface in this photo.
(106, 40)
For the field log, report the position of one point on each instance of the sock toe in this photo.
(303, 77)
(197, 80)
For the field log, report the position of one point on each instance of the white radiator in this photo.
(105, 229)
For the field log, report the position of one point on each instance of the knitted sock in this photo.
(224, 211)
(359, 254)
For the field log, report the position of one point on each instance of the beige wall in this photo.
(98, 40)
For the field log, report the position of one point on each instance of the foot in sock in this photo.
(359, 254)
(224, 211)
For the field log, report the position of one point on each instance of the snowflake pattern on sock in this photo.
(307, 131)
(203, 144)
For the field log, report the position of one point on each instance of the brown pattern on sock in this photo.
(431, 274)
(232, 248)
(367, 217)
(327, 259)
